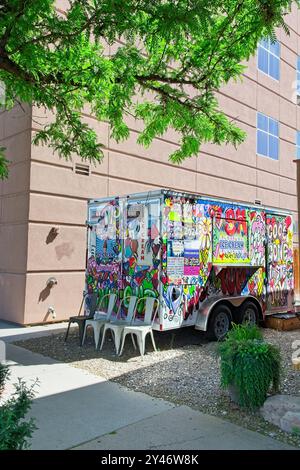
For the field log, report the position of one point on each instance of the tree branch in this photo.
(11, 67)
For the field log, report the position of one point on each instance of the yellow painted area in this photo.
(174, 216)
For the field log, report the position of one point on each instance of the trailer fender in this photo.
(205, 310)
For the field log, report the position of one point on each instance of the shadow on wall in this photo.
(65, 249)
(52, 235)
(44, 294)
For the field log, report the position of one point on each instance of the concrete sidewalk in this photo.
(75, 409)
(11, 332)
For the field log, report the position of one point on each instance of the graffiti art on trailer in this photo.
(230, 241)
(142, 246)
(218, 234)
(257, 237)
(103, 273)
(180, 303)
(279, 261)
(185, 250)
(175, 265)
(231, 281)
(187, 261)
(191, 257)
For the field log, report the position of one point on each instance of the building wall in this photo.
(54, 196)
(15, 136)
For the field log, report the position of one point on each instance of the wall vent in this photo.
(81, 169)
(258, 202)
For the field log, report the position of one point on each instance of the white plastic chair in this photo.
(100, 318)
(142, 328)
(117, 326)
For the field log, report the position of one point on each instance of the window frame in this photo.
(268, 133)
(269, 52)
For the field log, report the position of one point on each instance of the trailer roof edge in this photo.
(160, 192)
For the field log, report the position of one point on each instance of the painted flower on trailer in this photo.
(205, 233)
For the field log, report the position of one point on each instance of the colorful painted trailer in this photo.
(208, 261)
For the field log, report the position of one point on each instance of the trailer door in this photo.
(279, 261)
(103, 273)
(142, 245)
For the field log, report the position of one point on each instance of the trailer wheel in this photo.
(248, 313)
(219, 322)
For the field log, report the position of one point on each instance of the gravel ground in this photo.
(184, 370)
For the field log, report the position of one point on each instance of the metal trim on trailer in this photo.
(155, 193)
(159, 192)
(205, 312)
(105, 199)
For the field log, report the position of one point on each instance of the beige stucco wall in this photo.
(15, 136)
(47, 193)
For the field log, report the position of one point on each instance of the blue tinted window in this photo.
(263, 60)
(262, 143)
(262, 122)
(267, 136)
(269, 57)
(274, 48)
(274, 67)
(273, 126)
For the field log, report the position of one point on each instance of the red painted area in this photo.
(231, 217)
(232, 280)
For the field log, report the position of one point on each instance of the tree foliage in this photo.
(160, 61)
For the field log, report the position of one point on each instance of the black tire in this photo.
(248, 313)
(219, 323)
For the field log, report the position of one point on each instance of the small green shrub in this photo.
(296, 431)
(14, 429)
(250, 364)
(4, 374)
(244, 332)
